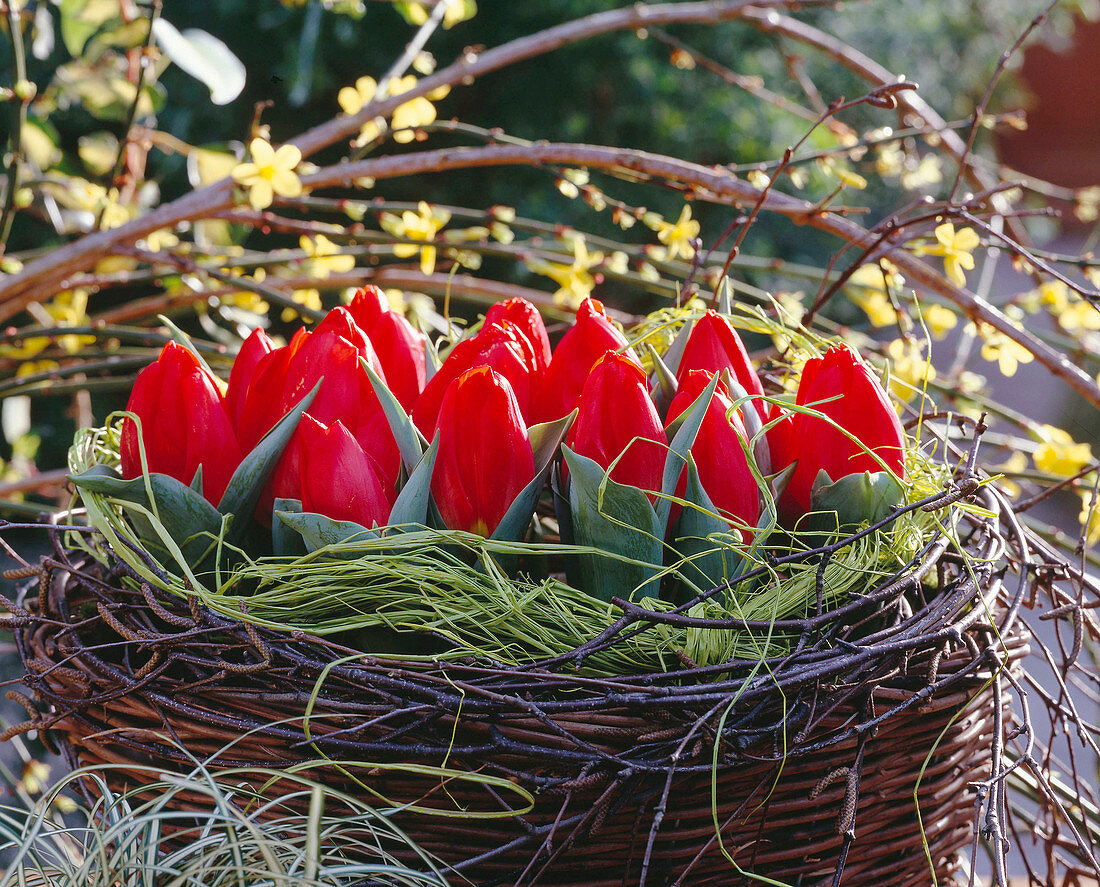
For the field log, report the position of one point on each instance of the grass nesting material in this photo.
(384, 595)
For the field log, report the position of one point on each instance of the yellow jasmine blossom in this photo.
(271, 172)
(870, 287)
(112, 213)
(324, 257)
(69, 308)
(35, 776)
(406, 117)
(1014, 464)
(307, 299)
(422, 225)
(159, 241)
(889, 160)
(574, 281)
(457, 11)
(955, 247)
(1059, 454)
(1079, 316)
(1005, 352)
(927, 172)
(939, 319)
(910, 369)
(677, 237)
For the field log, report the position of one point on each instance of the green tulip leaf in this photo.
(547, 437)
(286, 542)
(682, 432)
(242, 495)
(863, 498)
(431, 360)
(725, 296)
(319, 531)
(619, 520)
(750, 418)
(181, 338)
(409, 442)
(191, 522)
(545, 440)
(196, 481)
(664, 380)
(703, 538)
(411, 506)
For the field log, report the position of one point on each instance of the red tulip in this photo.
(713, 345)
(283, 377)
(723, 468)
(254, 348)
(184, 424)
(484, 457)
(498, 345)
(589, 339)
(842, 387)
(527, 318)
(338, 478)
(400, 347)
(617, 418)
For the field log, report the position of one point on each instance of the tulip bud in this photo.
(400, 347)
(843, 388)
(617, 420)
(500, 346)
(254, 348)
(719, 457)
(527, 318)
(589, 339)
(484, 459)
(184, 424)
(283, 377)
(714, 345)
(338, 478)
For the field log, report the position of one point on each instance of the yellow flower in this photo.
(69, 308)
(939, 319)
(1079, 315)
(324, 257)
(113, 214)
(926, 172)
(1005, 352)
(574, 281)
(955, 247)
(35, 775)
(870, 288)
(406, 117)
(678, 237)
(457, 11)
(910, 369)
(159, 241)
(422, 225)
(305, 298)
(1059, 454)
(271, 172)
(1014, 464)
(890, 160)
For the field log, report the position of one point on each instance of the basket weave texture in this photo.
(808, 766)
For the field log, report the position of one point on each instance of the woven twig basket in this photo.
(853, 760)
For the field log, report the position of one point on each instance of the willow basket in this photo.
(853, 760)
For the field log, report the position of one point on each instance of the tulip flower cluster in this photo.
(352, 422)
